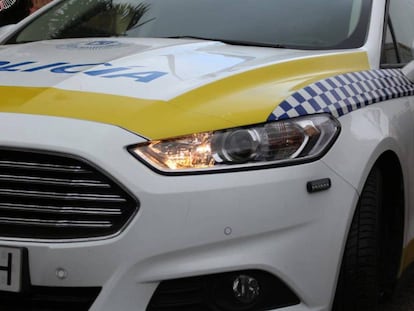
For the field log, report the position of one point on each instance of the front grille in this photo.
(49, 196)
(50, 299)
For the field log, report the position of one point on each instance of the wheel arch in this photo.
(393, 218)
(372, 256)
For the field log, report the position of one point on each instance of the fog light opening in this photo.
(246, 289)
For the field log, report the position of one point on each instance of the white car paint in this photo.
(201, 224)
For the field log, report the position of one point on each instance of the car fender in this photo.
(369, 132)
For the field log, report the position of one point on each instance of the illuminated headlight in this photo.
(275, 143)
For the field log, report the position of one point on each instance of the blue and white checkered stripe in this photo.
(342, 94)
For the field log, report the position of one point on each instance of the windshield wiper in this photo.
(233, 42)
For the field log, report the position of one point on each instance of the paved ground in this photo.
(404, 295)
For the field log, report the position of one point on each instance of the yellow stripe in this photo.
(408, 256)
(242, 99)
(154, 119)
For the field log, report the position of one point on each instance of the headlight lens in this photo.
(275, 143)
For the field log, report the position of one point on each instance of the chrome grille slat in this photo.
(61, 196)
(42, 166)
(54, 181)
(61, 209)
(56, 223)
(45, 196)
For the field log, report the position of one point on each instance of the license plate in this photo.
(11, 263)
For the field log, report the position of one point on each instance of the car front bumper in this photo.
(189, 225)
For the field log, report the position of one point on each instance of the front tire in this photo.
(359, 279)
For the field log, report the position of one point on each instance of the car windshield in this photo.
(307, 24)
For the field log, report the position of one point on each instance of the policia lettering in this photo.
(106, 70)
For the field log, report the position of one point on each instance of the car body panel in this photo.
(93, 98)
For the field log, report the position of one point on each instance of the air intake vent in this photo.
(50, 299)
(219, 292)
(53, 197)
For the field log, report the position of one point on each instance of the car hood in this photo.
(160, 87)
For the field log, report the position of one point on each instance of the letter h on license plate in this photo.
(11, 263)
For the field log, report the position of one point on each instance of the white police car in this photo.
(206, 155)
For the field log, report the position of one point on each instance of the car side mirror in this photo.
(408, 71)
